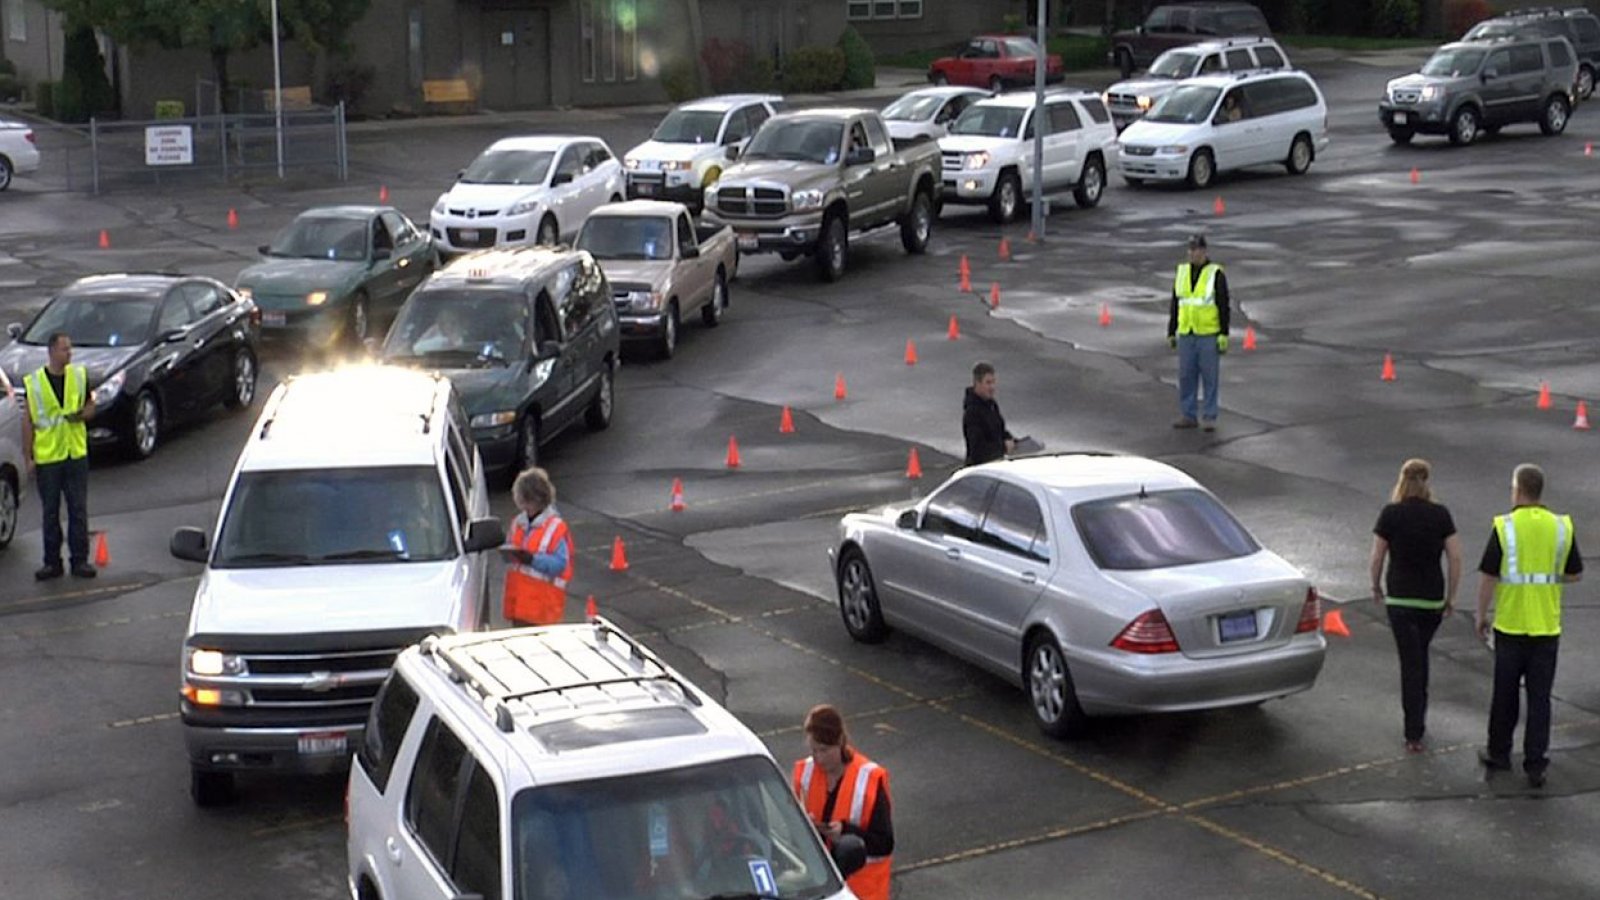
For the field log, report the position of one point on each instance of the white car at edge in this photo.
(13, 467)
(18, 154)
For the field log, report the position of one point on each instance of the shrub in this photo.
(44, 98)
(732, 67)
(347, 81)
(84, 90)
(10, 88)
(1460, 15)
(812, 70)
(1395, 18)
(169, 109)
(680, 80)
(860, 69)
(1011, 23)
(1308, 16)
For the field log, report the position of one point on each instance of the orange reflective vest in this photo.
(858, 793)
(532, 597)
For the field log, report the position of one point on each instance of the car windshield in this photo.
(729, 828)
(627, 237)
(509, 167)
(322, 237)
(688, 127)
(913, 108)
(1186, 104)
(100, 321)
(990, 121)
(1454, 62)
(460, 329)
(1175, 64)
(1160, 530)
(309, 517)
(801, 140)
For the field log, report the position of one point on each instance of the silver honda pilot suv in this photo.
(1470, 88)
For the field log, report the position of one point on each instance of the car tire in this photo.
(1300, 155)
(1125, 62)
(1091, 184)
(549, 232)
(1007, 198)
(1557, 112)
(1585, 82)
(858, 599)
(997, 84)
(917, 227)
(598, 415)
(359, 325)
(1202, 169)
(10, 505)
(1464, 126)
(144, 428)
(211, 789)
(1051, 694)
(667, 342)
(5, 173)
(527, 445)
(242, 389)
(1401, 136)
(711, 313)
(940, 79)
(833, 249)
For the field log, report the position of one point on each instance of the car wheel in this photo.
(549, 233)
(711, 313)
(360, 320)
(1300, 155)
(5, 173)
(1464, 126)
(858, 600)
(1401, 136)
(242, 392)
(667, 343)
(1124, 62)
(833, 249)
(1050, 691)
(145, 430)
(208, 789)
(10, 502)
(939, 79)
(1091, 183)
(918, 225)
(1007, 197)
(997, 84)
(1556, 113)
(1202, 168)
(598, 416)
(527, 444)
(1585, 83)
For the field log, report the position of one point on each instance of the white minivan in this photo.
(1215, 123)
(526, 190)
(686, 152)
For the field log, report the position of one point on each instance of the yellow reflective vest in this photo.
(1534, 545)
(1197, 300)
(55, 438)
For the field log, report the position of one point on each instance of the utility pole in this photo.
(1040, 123)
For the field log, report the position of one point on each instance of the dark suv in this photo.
(1578, 25)
(1474, 87)
(1175, 24)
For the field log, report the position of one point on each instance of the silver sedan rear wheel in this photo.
(1050, 689)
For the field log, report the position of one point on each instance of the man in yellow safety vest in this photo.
(1197, 327)
(59, 403)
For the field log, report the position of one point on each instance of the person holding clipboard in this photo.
(539, 555)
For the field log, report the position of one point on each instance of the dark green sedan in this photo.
(333, 269)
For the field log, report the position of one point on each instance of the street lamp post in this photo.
(277, 87)
(1039, 126)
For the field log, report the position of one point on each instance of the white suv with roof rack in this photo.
(988, 155)
(569, 763)
(1131, 98)
(686, 152)
(354, 525)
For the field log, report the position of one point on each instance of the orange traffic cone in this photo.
(105, 239)
(233, 219)
(1005, 248)
(1581, 422)
(1333, 623)
(911, 352)
(102, 552)
(1388, 368)
(1416, 176)
(1218, 207)
(1588, 148)
(677, 495)
(591, 610)
(786, 423)
(733, 453)
(619, 555)
(954, 331)
(913, 465)
(839, 392)
(1105, 315)
(383, 193)
(1544, 395)
(1249, 337)
(994, 295)
(966, 275)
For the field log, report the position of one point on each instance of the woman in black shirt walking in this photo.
(1412, 532)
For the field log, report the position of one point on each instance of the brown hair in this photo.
(1413, 482)
(981, 370)
(1529, 479)
(825, 725)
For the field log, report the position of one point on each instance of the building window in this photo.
(862, 10)
(16, 21)
(608, 34)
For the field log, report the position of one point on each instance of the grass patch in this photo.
(1347, 42)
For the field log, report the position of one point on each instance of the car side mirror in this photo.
(484, 534)
(849, 854)
(732, 152)
(860, 156)
(264, 249)
(549, 349)
(14, 330)
(460, 173)
(190, 544)
(381, 253)
(907, 519)
(689, 251)
(560, 178)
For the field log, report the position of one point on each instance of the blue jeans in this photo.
(69, 478)
(1197, 367)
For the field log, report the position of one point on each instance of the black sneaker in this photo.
(46, 573)
(1208, 425)
(1489, 762)
(83, 570)
(1185, 422)
(1536, 778)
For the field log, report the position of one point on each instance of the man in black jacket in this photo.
(981, 422)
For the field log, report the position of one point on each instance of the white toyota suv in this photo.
(686, 152)
(354, 525)
(526, 190)
(988, 154)
(569, 763)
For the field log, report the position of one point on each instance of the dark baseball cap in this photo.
(1197, 241)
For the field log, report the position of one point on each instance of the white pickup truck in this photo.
(661, 267)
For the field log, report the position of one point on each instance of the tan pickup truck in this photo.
(661, 267)
(807, 180)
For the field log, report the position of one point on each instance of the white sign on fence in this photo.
(169, 145)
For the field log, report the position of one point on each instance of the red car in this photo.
(994, 61)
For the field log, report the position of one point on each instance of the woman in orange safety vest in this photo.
(843, 792)
(539, 558)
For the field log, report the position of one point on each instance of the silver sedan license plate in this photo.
(1237, 626)
(328, 743)
(274, 318)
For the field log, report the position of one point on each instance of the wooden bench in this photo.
(297, 97)
(447, 90)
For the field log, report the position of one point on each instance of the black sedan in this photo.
(158, 349)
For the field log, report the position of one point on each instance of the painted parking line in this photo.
(45, 601)
(1287, 859)
(31, 633)
(143, 720)
(833, 481)
(1043, 837)
(881, 711)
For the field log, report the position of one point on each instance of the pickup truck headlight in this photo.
(214, 662)
(630, 163)
(108, 390)
(644, 299)
(1143, 102)
(316, 298)
(975, 160)
(803, 201)
(494, 419)
(525, 205)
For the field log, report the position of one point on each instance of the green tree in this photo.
(84, 90)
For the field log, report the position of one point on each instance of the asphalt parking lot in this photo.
(1477, 277)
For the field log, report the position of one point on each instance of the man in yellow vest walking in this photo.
(59, 403)
(1197, 327)
(1531, 553)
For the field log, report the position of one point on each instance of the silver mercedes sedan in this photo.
(1100, 584)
